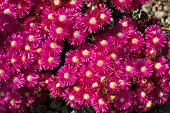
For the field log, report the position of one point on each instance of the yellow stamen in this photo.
(15, 79)
(113, 56)
(161, 94)
(112, 85)
(88, 73)
(92, 20)
(12, 101)
(75, 59)
(86, 96)
(158, 65)
(50, 59)
(135, 41)
(85, 52)
(120, 34)
(59, 30)
(1, 72)
(103, 42)
(122, 100)
(76, 34)
(71, 97)
(56, 2)
(100, 63)
(7, 11)
(62, 17)
(128, 68)
(53, 45)
(46, 81)
(125, 24)
(2, 94)
(112, 97)
(39, 50)
(76, 88)
(50, 16)
(72, 2)
(143, 69)
(57, 85)
(143, 94)
(27, 94)
(31, 38)
(66, 75)
(27, 47)
(13, 61)
(155, 40)
(102, 16)
(23, 58)
(13, 43)
(95, 84)
(149, 104)
(101, 101)
(29, 78)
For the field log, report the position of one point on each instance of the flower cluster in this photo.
(121, 68)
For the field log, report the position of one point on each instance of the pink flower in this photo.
(100, 104)
(143, 68)
(67, 76)
(122, 4)
(17, 81)
(75, 4)
(123, 100)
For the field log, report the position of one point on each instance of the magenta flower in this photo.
(73, 58)
(67, 76)
(122, 4)
(143, 68)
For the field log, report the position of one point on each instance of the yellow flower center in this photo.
(95, 84)
(112, 85)
(13, 61)
(122, 100)
(128, 68)
(88, 73)
(59, 30)
(56, 2)
(72, 2)
(76, 34)
(86, 96)
(102, 16)
(113, 56)
(57, 85)
(156, 40)
(135, 41)
(13, 43)
(29, 78)
(27, 94)
(100, 63)
(75, 59)
(143, 69)
(103, 42)
(71, 97)
(7, 11)
(101, 101)
(158, 65)
(1, 72)
(121, 82)
(112, 97)
(23, 58)
(143, 94)
(39, 61)
(120, 34)
(53, 45)
(125, 24)
(31, 38)
(27, 105)
(2, 94)
(85, 52)
(92, 20)
(50, 59)
(66, 75)
(62, 18)
(39, 50)
(149, 104)
(46, 81)
(161, 94)
(121, 1)
(27, 47)
(76, 88)
(50, 16)
(15, 79)
(31, 24)
(12, 101)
